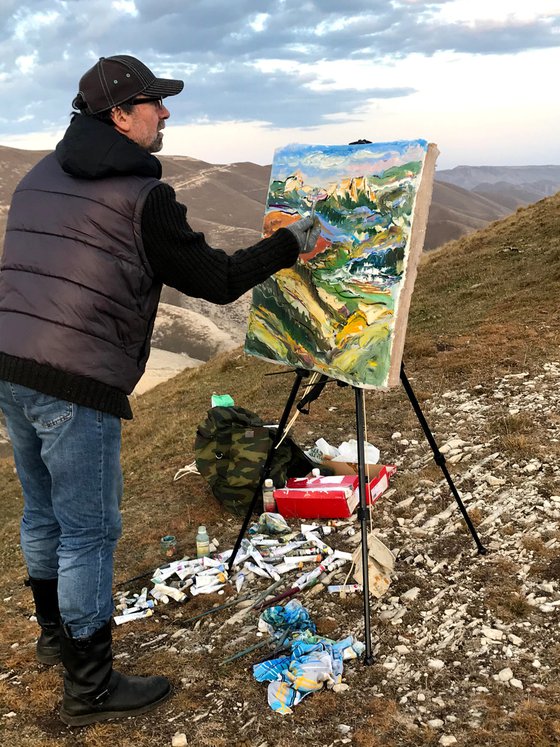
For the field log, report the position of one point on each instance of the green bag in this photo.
(231, 448)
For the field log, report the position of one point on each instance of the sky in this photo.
(477, 77)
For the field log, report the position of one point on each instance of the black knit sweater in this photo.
(179, 257)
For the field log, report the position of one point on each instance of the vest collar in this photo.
(93, 150)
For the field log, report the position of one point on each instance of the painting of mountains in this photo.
(342, 309)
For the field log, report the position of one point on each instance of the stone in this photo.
(447, 740)
(179, 739)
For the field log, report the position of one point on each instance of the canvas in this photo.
(342, 309)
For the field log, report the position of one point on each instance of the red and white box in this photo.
(333, 497)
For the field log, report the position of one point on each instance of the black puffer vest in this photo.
(76, 290)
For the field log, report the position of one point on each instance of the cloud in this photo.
(243, 60)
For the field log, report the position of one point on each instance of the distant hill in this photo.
(509, 186)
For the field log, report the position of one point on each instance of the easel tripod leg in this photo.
(362, 515)
(440, 460)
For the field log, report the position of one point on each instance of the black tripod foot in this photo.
(369, 660)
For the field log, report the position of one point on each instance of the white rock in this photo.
(344, 728)
(504, 675)
(516, 683)
(436, 664)
(447, 740)
(179, 740)
(493, 634)
(401, 649)
(396, 435)
(435, 723)
(411, 594)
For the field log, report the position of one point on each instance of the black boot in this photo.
(48, 617)
(93, 691)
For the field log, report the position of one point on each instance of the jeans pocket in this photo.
(42, 409)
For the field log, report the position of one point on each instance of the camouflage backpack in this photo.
(231, 447)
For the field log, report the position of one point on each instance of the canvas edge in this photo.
(417, 236)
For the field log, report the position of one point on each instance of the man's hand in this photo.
(307, 231)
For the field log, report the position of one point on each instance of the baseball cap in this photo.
(114, 80)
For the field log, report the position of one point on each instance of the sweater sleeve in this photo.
(181, 258)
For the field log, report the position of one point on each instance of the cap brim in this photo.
(164, 87)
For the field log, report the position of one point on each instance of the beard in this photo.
(157, 143)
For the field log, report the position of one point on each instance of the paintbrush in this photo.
(316, 195)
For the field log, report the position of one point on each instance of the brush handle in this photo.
(307, 235)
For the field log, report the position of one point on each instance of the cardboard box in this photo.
(333, 497)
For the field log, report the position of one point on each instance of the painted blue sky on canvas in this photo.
(320, 162)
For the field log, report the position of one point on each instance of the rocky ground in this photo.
(466, 645)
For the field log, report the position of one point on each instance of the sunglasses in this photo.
(157, 100)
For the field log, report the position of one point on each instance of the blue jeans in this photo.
(68, 461)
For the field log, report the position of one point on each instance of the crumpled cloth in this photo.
(292, 617)
(314, 661)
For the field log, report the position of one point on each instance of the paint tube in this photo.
(239, 581)
(149, 604)
(212, 571)
(208, 562)
(318, 528)
(265, 542)
(281, 551)
(303, 551)
(159, 596)
(206, 589)
(284, 568)
(344, 588)
(171, 591)
(257, 557)
(120, 619)
(210, 580)
(342, 555)
(303, 558)
(319, 543)
(255, 569)
(307, 578)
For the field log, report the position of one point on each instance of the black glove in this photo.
(307, 231)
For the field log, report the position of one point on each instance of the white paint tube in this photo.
(239, 581)
(212, 571)
(287, 548)
(303, 558)
(316, 527)
(344, 588)
(203, 580)
(284, 568)
(208, 562)
(120, 619)
(171, 591)
(342, 555)
(258, 558)
(265, 542)
(206, 589)
(255, 569)
(143, 596)
(241, 558)
(159, 597)
(307, 578)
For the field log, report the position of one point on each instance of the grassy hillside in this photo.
(484, 307)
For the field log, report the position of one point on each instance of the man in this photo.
(92, 235)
